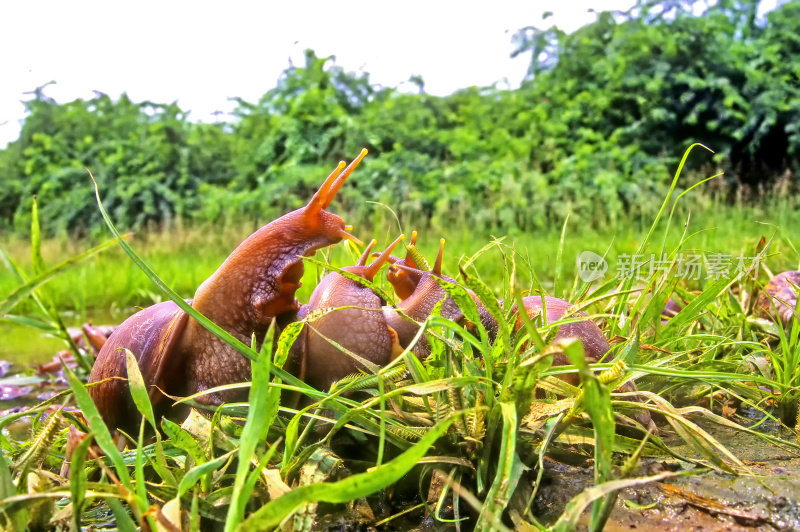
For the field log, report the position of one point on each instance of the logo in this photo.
(591, 266)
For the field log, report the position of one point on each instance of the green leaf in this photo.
(262, 411)
(141, 399)
(348, 489)
(138, 389)
(200, 471)
(181, 439)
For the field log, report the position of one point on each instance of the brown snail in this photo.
(359, 332)
(427, 292)
(779, 297)
(419, 291)
(254, 286)
(595, 344)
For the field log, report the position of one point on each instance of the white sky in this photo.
(203, 53)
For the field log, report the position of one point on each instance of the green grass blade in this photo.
(140, 489)
(597, 400)
(568, 522)
(124, 523)
(510, 469)
(77, 479)
(36, 239)
(16, 518)
(255, 428)
(350, 488)
(689, 313)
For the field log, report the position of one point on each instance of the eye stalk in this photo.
(324, 196)
(345, 233)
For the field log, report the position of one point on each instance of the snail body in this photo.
(779, 297)
(152, 335)
(420, 291)
(255, 285)
(359, 332)
(595, 344)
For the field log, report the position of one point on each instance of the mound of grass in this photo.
(459, 439)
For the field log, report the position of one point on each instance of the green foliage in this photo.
(151, 158)
(589, 136)
(658, 76)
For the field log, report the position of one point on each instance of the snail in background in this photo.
(779, 297)
(427, 292)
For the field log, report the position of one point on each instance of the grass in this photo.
(455, 437)
(109, 287)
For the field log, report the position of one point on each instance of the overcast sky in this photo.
(200, 54)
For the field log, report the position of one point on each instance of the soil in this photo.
(768, 499)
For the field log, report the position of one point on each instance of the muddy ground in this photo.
(767, 500)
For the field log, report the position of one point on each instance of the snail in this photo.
(595, 344)
(427, 292)
(255, 285)
(419, 292)
(404, 282)
(779, 297)
(361, 331)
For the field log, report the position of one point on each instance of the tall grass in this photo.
(109, 287)
(459, 438)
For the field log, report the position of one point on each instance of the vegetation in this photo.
(590, 135)
(458, 438)
(579, 157)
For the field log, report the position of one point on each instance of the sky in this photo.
(201, 54)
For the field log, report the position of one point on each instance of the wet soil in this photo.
(768, 499)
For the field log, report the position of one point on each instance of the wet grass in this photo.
(458, 439)
(109, 287)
